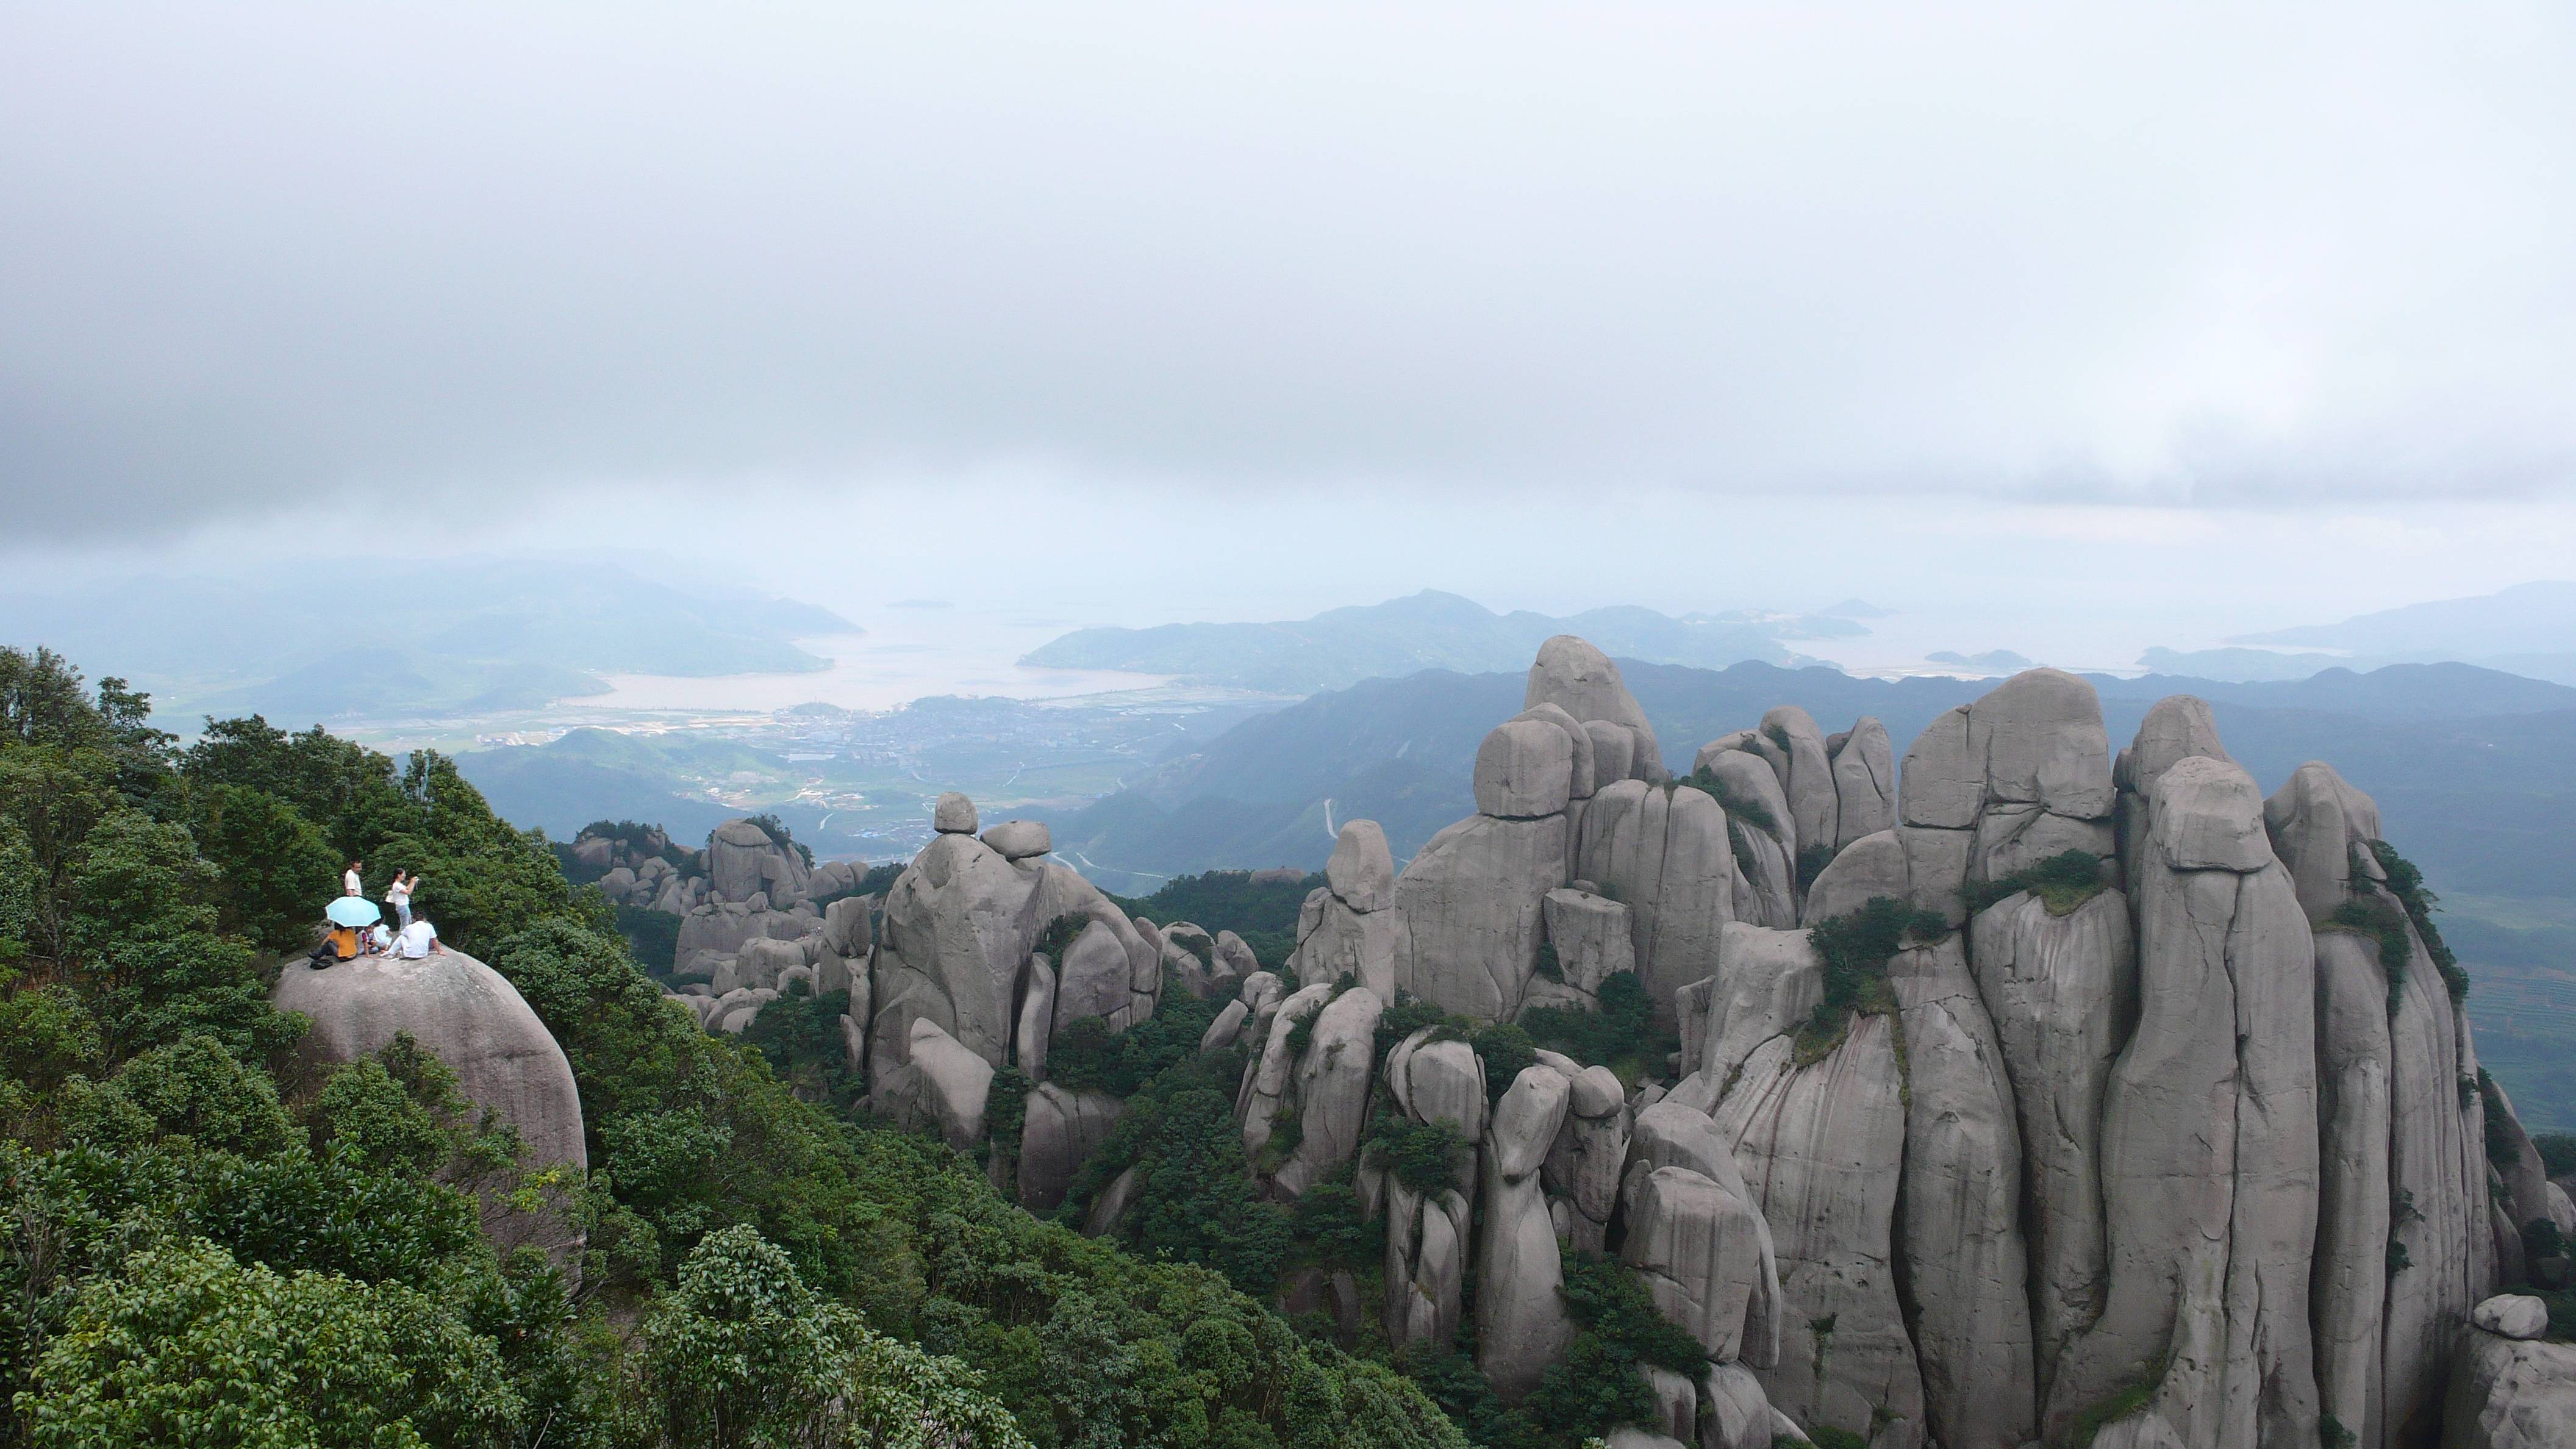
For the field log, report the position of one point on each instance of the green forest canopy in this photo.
(217, 1248)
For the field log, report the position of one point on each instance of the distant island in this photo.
(1430, 630)
(1995, 661)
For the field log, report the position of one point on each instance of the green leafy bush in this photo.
(2062, 882)
(1620, 1036)
(2406, 883)
(2557, 1152)
(187, 1348)
(1506, 1049)
(652, 937)
(1423, 1156)
(1738, 807)
(1264, 914)
(1855, 949)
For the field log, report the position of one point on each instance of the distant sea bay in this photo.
(878, 670)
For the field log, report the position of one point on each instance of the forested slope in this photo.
(215, 1245)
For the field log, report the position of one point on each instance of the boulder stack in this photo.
(2022, 1091)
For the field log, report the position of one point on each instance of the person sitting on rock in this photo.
(379, 940)
(417, 940)
(339, 943)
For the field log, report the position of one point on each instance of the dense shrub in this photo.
(1855, 949)
(1621, 1035)
(2406, 883)
(2062, 882)
(1264, 914)
(1738, 807)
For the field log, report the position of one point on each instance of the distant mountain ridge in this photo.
(2528, 629)
(2472, 762)
(420, 636)
(1428, 630)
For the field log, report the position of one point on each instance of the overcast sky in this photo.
(2175, 321)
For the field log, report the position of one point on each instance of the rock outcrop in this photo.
(1470, 904)
(1521, 1322)
(2155, 1141)
(506, 1062)
(1581, 680)
(1348, 926)
(2209, 1140)
(2510, 1393)
(1665, 853)
(1428, 1235)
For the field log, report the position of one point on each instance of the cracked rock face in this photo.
(1666, 855)
(1961, 1230)
(1864, 783)
(2209, 1141)
(2056, 989)
(1471, 905)
(1816, 1142)
(1429, 1239)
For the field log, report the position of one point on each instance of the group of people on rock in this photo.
(408, 939)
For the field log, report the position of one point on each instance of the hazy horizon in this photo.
(2067, 335)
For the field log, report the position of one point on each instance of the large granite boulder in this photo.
(1329, 1090)
(1525, 769)
(743, 861)
(1592, 940)
(1521, 1322)
(942, 1084)
(1060, 1129)
(1020, 839)
(1348, 926)
(1581, 1174)
(1864, 783)
(1665, 853)
(2020, 775)
(1864, 870)
(1471, 903)
(2509, 1393)
(958, 928)
(1705, 1254)
(1806, 774)
(1428, 1237)
(1579, 679)
(471, 1018)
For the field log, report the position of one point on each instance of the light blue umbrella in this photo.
(354, 911)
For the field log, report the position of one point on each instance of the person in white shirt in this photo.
(350, 885)
(417, 940)
(379, 940)
(398, 896)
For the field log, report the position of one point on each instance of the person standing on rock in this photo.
(350, 885)
(398, 896)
